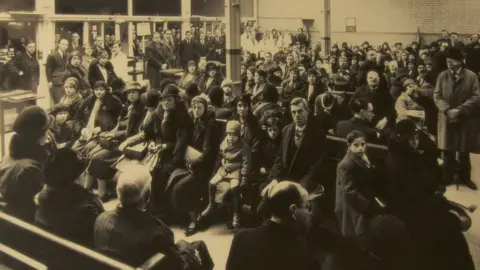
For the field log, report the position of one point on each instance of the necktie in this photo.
(298, 137)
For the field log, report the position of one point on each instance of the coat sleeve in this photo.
(473, 103)
(441, 103)
(246, 164)
(180, 145)
(352, 196)
(210, 148)
(49, 67)
(308, 180)
(277, 168)
(401, 108)
(152, 60)
(235, 259)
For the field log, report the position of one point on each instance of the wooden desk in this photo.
(9, 100)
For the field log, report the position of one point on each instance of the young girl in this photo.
(72, 98)
(272, 145)
(60, 132)
(233, 166)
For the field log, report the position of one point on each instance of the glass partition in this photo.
(157, 7)
(95, 7)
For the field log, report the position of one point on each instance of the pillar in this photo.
(130, 28)
(86, 33)
(102, 29)
(327, 33)
(186, 14)
(232, 31)
(117, 31)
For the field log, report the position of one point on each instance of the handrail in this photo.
(65, 243)
(25, 260)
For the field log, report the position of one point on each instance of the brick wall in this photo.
(398, 20)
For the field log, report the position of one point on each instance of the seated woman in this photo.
(76, 70)
(270, 148)
(211, 77)
(72, 98)
(190, 75)
(406, 106)
(269, 105)
(355, 203)
(64, 207)
(233, 167)
(188, 191)
(98, 113)
(60, 131)
(291, 85)
(128, 125)
(229, 99)
(249, 83)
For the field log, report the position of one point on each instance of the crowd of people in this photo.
(182, 151)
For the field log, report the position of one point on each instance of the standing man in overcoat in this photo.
(457, 96)
(156, 55)
(56, 70)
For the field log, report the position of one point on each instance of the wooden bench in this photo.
(25, 246)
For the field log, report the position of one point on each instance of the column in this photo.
(102, 30)
(326, 39)
(130, 28)
(232, 31)
(186, 14)
(86, 33)
(117, 31)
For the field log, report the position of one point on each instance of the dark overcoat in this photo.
(107, 116)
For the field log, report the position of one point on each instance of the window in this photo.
(160, 7)
(94, 7)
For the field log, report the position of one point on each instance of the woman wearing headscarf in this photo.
(72, 98)
(188, 191)
(76, 70)
(65, 208)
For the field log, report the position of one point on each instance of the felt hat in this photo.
(215, 94)
(270, 93)
(404, 130)
(170, 91)
(227, 82)
(455, 53)
(132, 86)
(33, 122)
(63, 168)
(72, 81)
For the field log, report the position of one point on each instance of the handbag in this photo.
(137, 151)
(107, 141)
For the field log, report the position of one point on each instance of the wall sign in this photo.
(351, 25)
(143, 29)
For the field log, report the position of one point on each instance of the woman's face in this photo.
(258, 78)
(414, 141)
(103, 60)
(273, 132)
(192, 69)
(198, 109)
(212, 72)
(133, 95)
(100, 92)
(75, 61)
(249, 75)
(358, 146)
(242, 109)
(70, 90)
(116, 48)
(88, 51)
(404, 56)
(410, 89)
(168, 103)
(411, 66)
(242, 69)
(61, 118)
(293, 75)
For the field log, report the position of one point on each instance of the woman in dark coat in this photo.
(128, 125)
(168, 133)
(97, 113)
(65, 208)
(188, 191)
(248, 83)
(291, 85)
(21, 171)
(211, 77)
(413, 176)
(190, 75)
(101, 67)
(75, 69)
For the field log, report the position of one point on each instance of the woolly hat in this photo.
(233, 127)
(64, 168)
(59, 107)
(200, 99)
(408, 82)
(32, 122)
(227, 82)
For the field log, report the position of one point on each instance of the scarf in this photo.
(68, 100)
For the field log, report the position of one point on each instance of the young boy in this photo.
(60, 131)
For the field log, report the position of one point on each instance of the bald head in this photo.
(285, 194)
(133, 185)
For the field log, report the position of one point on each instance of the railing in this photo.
(23, 242)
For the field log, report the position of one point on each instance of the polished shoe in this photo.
(236, 222)
(191, 229)
(471, 185)
(208, 211)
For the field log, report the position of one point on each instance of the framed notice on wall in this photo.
(143, 29)
(350, 24)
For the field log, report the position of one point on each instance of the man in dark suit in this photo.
(156, 55)
(219, 47)
(188, 50)
(100, 47)
(382, 101)
(302, 150)
(203, 47)
(362, 111)
(24, 69)
(56, 69)
(313, 88)
(75, 44)
(280, 242)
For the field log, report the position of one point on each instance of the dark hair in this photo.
(216, 95)
(279, 203)
(273, 121)
(262, 73)
(352, 136)
(163, 83)
(359, 104)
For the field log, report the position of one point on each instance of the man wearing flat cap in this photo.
(457, 96)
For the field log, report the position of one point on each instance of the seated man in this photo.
(278, 243)
(132, 235)
(362, 111)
